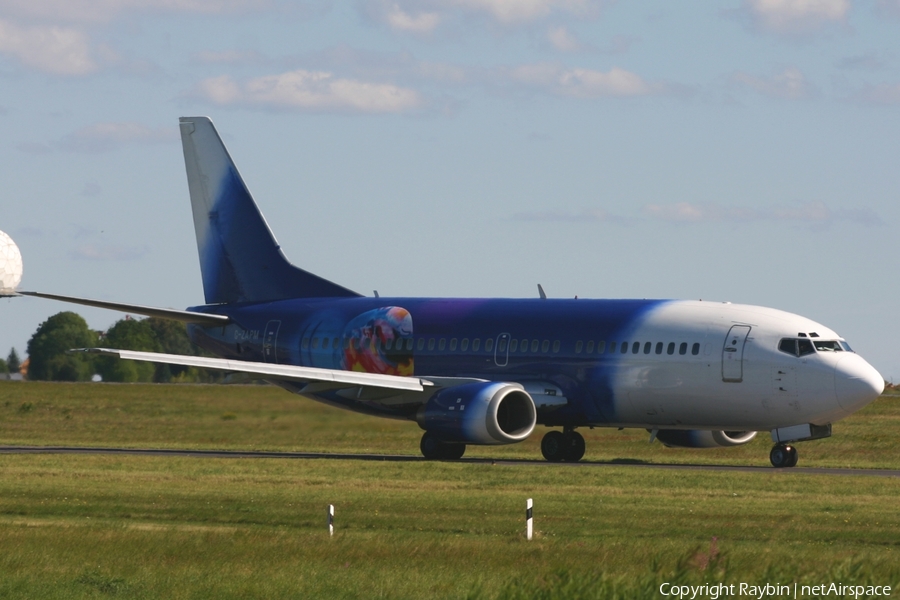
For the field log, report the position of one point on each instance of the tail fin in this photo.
(240, 261)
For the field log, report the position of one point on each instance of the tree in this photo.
(129, 334)
(47, 349)
(4, 367)
(13, 362)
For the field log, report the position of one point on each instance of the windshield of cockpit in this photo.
(803, 346)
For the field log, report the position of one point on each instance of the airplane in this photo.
(694, 374)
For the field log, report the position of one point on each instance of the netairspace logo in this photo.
(768, 590)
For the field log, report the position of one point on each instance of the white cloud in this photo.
(56, 50)
(796, 16)
(309, 90)
(561, 39)
(102, 137)
(583, 83)
(101, 11)
(810, 213)
(424, 16)
(790, 84)
(230, 57)
(108, 252)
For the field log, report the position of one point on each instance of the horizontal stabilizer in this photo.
(185, 316)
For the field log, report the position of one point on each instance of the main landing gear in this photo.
(783, 455)
(434, 448)
(563, 446)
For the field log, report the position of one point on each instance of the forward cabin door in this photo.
(733, 353)
(270, 342)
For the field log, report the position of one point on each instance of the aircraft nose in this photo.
(856, 382)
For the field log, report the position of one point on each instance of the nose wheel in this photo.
(558, 446)
(783, 455)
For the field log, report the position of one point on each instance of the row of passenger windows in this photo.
(515, 346)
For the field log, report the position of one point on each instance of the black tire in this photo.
(553, 446)
(780, 456)
(574, 446)
(792, 456)
(431, 446)
(453, 451)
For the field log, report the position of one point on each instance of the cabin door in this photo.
(270, 342)
(733, 353)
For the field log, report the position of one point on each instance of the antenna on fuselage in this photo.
(541, 292)
(376, 293)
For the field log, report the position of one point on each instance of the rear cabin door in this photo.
(270, 342)
(733, 353)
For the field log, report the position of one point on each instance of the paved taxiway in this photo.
(406, 458)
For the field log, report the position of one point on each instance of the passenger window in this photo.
(453, 345)
(555, 346)
(635, 347)
(336, 342)
(420, 345)
(464, 345)
(682, 349)
(788, 346)
(430, 344)
(623, 347)
(647, 346)
(534, 345)
(315, 343)
(671, 348)
(695, 349)
(578, 346)
(545, 346)
(488, 344)
(590, 347)
(305, 343)
(514, 345)
(501, 347)
(804, 347)
(476, 344)
(354, 342)
(442, 344)
(659, 347)
(409, 342)
(601, 347)
(612, 347)
(388, 344)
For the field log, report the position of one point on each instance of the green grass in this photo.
(96, 526)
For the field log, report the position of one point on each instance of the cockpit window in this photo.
(804, 346)
(828, 346)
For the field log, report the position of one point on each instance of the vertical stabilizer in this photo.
(240, 261)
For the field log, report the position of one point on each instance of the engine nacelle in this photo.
(701, 438)
(480, 413)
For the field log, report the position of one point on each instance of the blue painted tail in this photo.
(240, 261)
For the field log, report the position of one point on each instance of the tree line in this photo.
(49, 359)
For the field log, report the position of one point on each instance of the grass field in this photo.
(92, 526)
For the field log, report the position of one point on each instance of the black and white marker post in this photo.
(331, 519)
(529, 517)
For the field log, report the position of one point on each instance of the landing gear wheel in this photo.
(574, 446)
(553, 446)
(434, 448)
(782, 456)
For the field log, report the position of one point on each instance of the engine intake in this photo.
(480, 413)
(701, 438)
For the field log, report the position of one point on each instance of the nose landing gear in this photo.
(563, 446)
(783, 455)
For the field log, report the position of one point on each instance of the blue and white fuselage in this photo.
(487, 371)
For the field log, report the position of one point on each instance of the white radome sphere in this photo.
(10, 264)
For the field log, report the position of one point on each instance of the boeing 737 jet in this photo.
(487, 371)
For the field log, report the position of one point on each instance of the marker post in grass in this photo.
(529, 518)
(331, 519)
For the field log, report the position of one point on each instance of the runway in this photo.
(761, 470)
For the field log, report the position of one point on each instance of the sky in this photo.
(741, 151)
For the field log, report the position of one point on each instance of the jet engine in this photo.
(480, 413)
(701, 438)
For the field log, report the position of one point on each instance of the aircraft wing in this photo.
(185, 316)
(276, 372)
